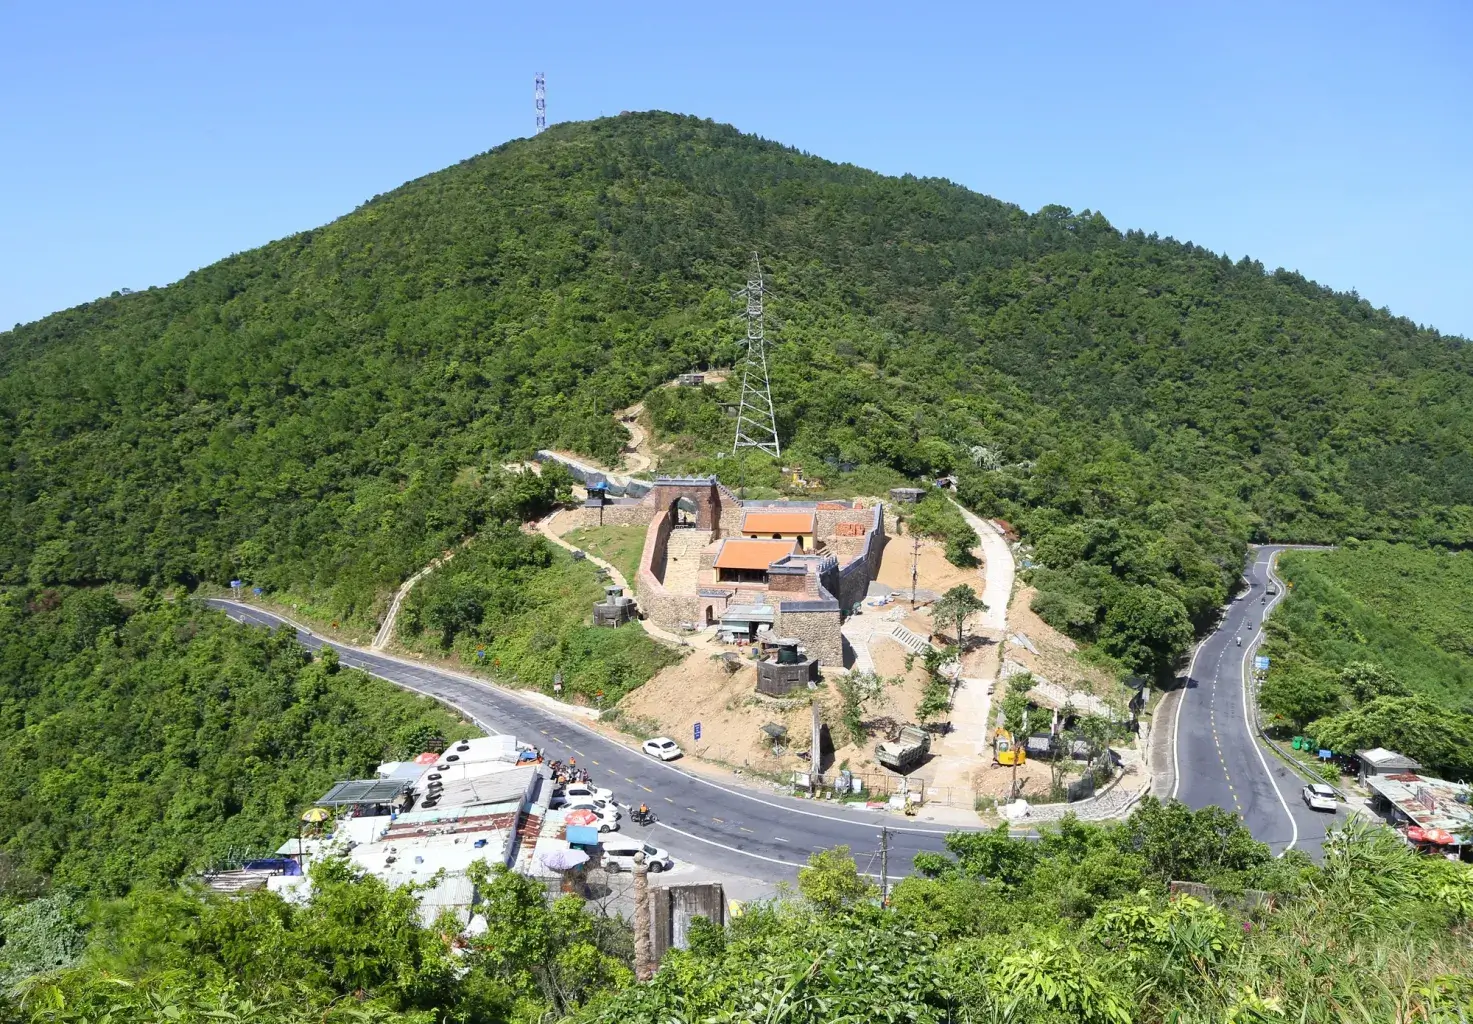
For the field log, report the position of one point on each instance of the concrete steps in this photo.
(908, 638)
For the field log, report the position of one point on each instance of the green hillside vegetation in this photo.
(146, 741)
(1374, 647)
(620, 546)
(311, 416)
(522, 609)
(1077, 927)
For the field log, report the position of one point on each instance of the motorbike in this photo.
(642, 817)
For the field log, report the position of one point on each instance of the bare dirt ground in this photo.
(934, 572)
(732, 713)
(1058, 657)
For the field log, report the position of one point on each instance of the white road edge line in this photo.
(728, 849)
(535, 706)
(1176, 722)
(1247, 713)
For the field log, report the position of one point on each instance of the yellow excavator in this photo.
(1005, 751)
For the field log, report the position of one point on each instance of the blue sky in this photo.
(140, 141)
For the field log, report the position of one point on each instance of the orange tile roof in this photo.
(752, 554)
(777, 522)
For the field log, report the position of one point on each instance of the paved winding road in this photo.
(1219, 759)
(726, 829)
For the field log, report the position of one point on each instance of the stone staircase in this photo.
(683, 559)
(907, 638)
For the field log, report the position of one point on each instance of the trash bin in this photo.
(1298, 742)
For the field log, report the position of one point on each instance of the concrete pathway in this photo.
(998, 570)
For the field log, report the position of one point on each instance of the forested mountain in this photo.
(300, 415)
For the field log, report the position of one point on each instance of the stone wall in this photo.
(704, 492)
(815, 625)
(665, 609)
(638, 514)
(855, 576)
(779, 680)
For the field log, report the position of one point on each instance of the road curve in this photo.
(746, 833)
(1219, 758)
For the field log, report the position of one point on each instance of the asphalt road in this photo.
(726, 829)
(1219, 759)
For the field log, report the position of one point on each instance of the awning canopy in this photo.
(364, 791)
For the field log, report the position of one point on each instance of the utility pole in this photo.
(884, 866)
(756, 420)
(915, 560)
(540, 101)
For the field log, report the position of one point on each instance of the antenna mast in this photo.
(756, 420)
(541, 101)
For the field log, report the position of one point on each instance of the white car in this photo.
(608, 820)
(1321, 797)
(581, 791)
(662, 747)
(618, 855)
(593, 803)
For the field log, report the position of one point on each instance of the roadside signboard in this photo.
(698, 730)
(1260, 662)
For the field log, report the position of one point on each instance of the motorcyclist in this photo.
(1240, 641)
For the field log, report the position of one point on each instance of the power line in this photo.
(540, 101)
(756, 421)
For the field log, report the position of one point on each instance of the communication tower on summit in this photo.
(756, 421)
(541, 101)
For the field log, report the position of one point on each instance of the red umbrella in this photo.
(1441, 836)
(582, 816)
(428, 757)
(1416, 835)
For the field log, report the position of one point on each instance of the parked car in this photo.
(608, 820)
(594, 803)
(662, 747)
(580, 791)
(618, 855)
(1321, 797)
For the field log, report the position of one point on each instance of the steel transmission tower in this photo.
(756, 421)
(541, 96)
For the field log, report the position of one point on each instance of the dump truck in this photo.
(905, 752)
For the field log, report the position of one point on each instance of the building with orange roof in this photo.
(799, 526)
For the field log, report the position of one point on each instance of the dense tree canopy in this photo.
(1076, 927)
(311, 415)
(142, 743)
(1372, 648)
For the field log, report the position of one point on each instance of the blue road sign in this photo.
(1260, 662)
(236, 584)
(256, 591)
(698, 730)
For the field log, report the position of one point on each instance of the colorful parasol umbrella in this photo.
(316, 814)
(582, 816)
(562, 860)
(428, 757)
(1441, 836)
